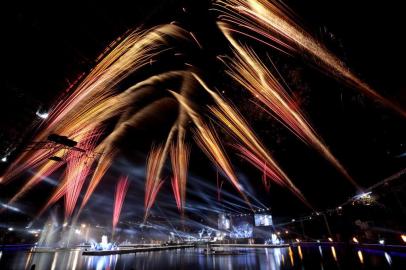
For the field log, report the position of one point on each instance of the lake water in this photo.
(305, 258)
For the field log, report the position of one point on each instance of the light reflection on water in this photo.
(300, 257)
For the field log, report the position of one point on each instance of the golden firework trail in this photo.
(77, 169)
(254, 76)
(272, 23)
(95, 99)
(44, 171)
(153, 181)
(232, 121)
(98, 100)
(207, 139)
(180, 160)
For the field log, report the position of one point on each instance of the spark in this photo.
(276, 27)
(95, 101)
(78, 168)
(207, 139)
(153, 183)
(180, 159)
(254, 76)
(234, 122)
(121, 191)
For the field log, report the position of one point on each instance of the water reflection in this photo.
(388, 258)
(291, 256)
(333, 251)
(299, 250)
(299, 257)
(360, 256)
(54, 261)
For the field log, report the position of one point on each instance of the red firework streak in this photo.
(121, 191)
(153, 183)
(180, 159)
(269, 172)
(78, 168)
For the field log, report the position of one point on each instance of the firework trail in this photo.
(95, 99)
(153, 183)
(58, 194)
(207, 139)
(121, 191)
(179, 159)
(77, 169)
(275, 26)
(139, 110)
(232, 121)
(251, 73)
(269, 172)
(99, 100)
(103, 165)
(44, 171)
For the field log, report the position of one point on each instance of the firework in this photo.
(237, 126)
(269, 172)
(180, 160)
(251, 73)
(98, 100)
(44, 171)
(121, 191)
(95, 99)
(270, 22)
(78, 168)
(207, 139)
(152, 183)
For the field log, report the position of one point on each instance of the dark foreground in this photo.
(309, 257)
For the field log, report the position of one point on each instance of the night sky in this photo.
(45, 47)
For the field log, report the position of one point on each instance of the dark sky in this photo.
(46, 46)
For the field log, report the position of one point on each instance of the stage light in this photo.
(330, 239)
(403, 236)
(11, 229)
(382, 241)
(77, 231)
(83, 225)
(286, 232)
(355, 240)
(293, 220)
(4, 159)
(65, 224)
(298, 240)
